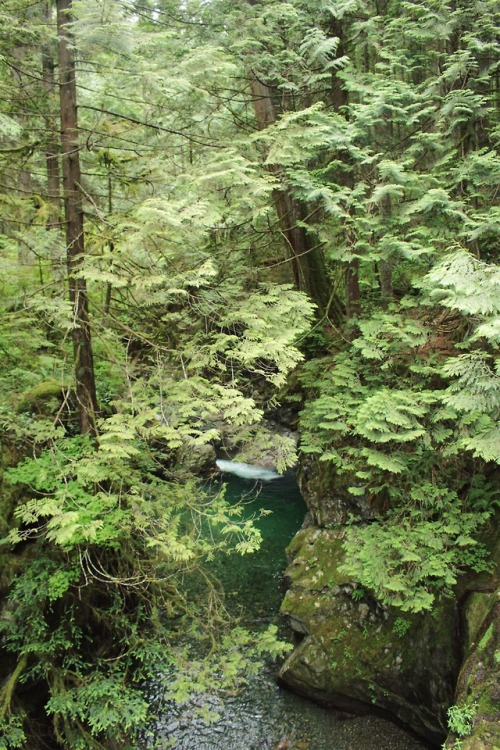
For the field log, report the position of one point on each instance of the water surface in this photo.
(263, 716)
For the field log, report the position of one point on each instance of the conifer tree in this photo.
(75, 237)
(205, 132)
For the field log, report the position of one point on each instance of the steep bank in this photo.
(355, 654)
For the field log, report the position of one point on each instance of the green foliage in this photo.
(12, 735)
(471, 286)
(385, 135)
(405, 561)
(104, 703)
(240, 654)
(397, 447)
(89, 697)
(401, 626)
(77, 591)
(391, 415)
(460, 719)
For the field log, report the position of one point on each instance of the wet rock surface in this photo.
(478, 687)
(193, 458)
(328, 507)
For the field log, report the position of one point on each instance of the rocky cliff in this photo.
(355, 654)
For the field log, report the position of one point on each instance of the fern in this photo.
(477, 383)
(392, 415)
(407, 564)
(467, 284)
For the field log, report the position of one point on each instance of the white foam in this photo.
(247, 471)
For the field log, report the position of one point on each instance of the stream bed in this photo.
(263, 716)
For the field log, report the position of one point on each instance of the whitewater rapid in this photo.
(247, 471)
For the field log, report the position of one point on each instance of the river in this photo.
(263, 716)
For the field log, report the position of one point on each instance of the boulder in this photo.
(193, 458)
(357, 656)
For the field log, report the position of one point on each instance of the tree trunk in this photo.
(338, 91)
(52, 150)
(353, 296)
(73, 210)
(385, 275)
(25, 254)
(386, 264)
(306, 254)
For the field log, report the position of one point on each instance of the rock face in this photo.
(356, 655)
(328, 507)
(195, 459)
(477, 697)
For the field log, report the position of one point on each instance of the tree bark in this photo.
(353, 295)
(385, 275)
(306, 254)
(386, 264)
(73, 211)
(52, 149)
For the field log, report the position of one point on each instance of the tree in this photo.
(383, 412)
(73, 210)
(110, 529)
(309, 271)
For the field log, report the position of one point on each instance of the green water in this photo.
(254, 583)
(262, 716)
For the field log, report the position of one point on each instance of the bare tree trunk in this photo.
(386, 264)
(73, 210)
(385, 275)
(338, 90)
(25, 254)
(109, 288)
(52, 149)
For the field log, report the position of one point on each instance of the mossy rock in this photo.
(355, 654)
(44, 398)
(326, 494)
(196, 459)
(478, 685)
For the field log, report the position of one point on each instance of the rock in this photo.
(328, 501)
(193, 458)
(478, 691)
(355, 655)
(45, 398)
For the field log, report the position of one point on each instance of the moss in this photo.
(352, 648)
(486, 638)
(316, 556)
(478, 606)
(39, 397)
(478, 681)
(8, 493)
(9, 499)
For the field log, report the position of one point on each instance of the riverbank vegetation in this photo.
(199, 199)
